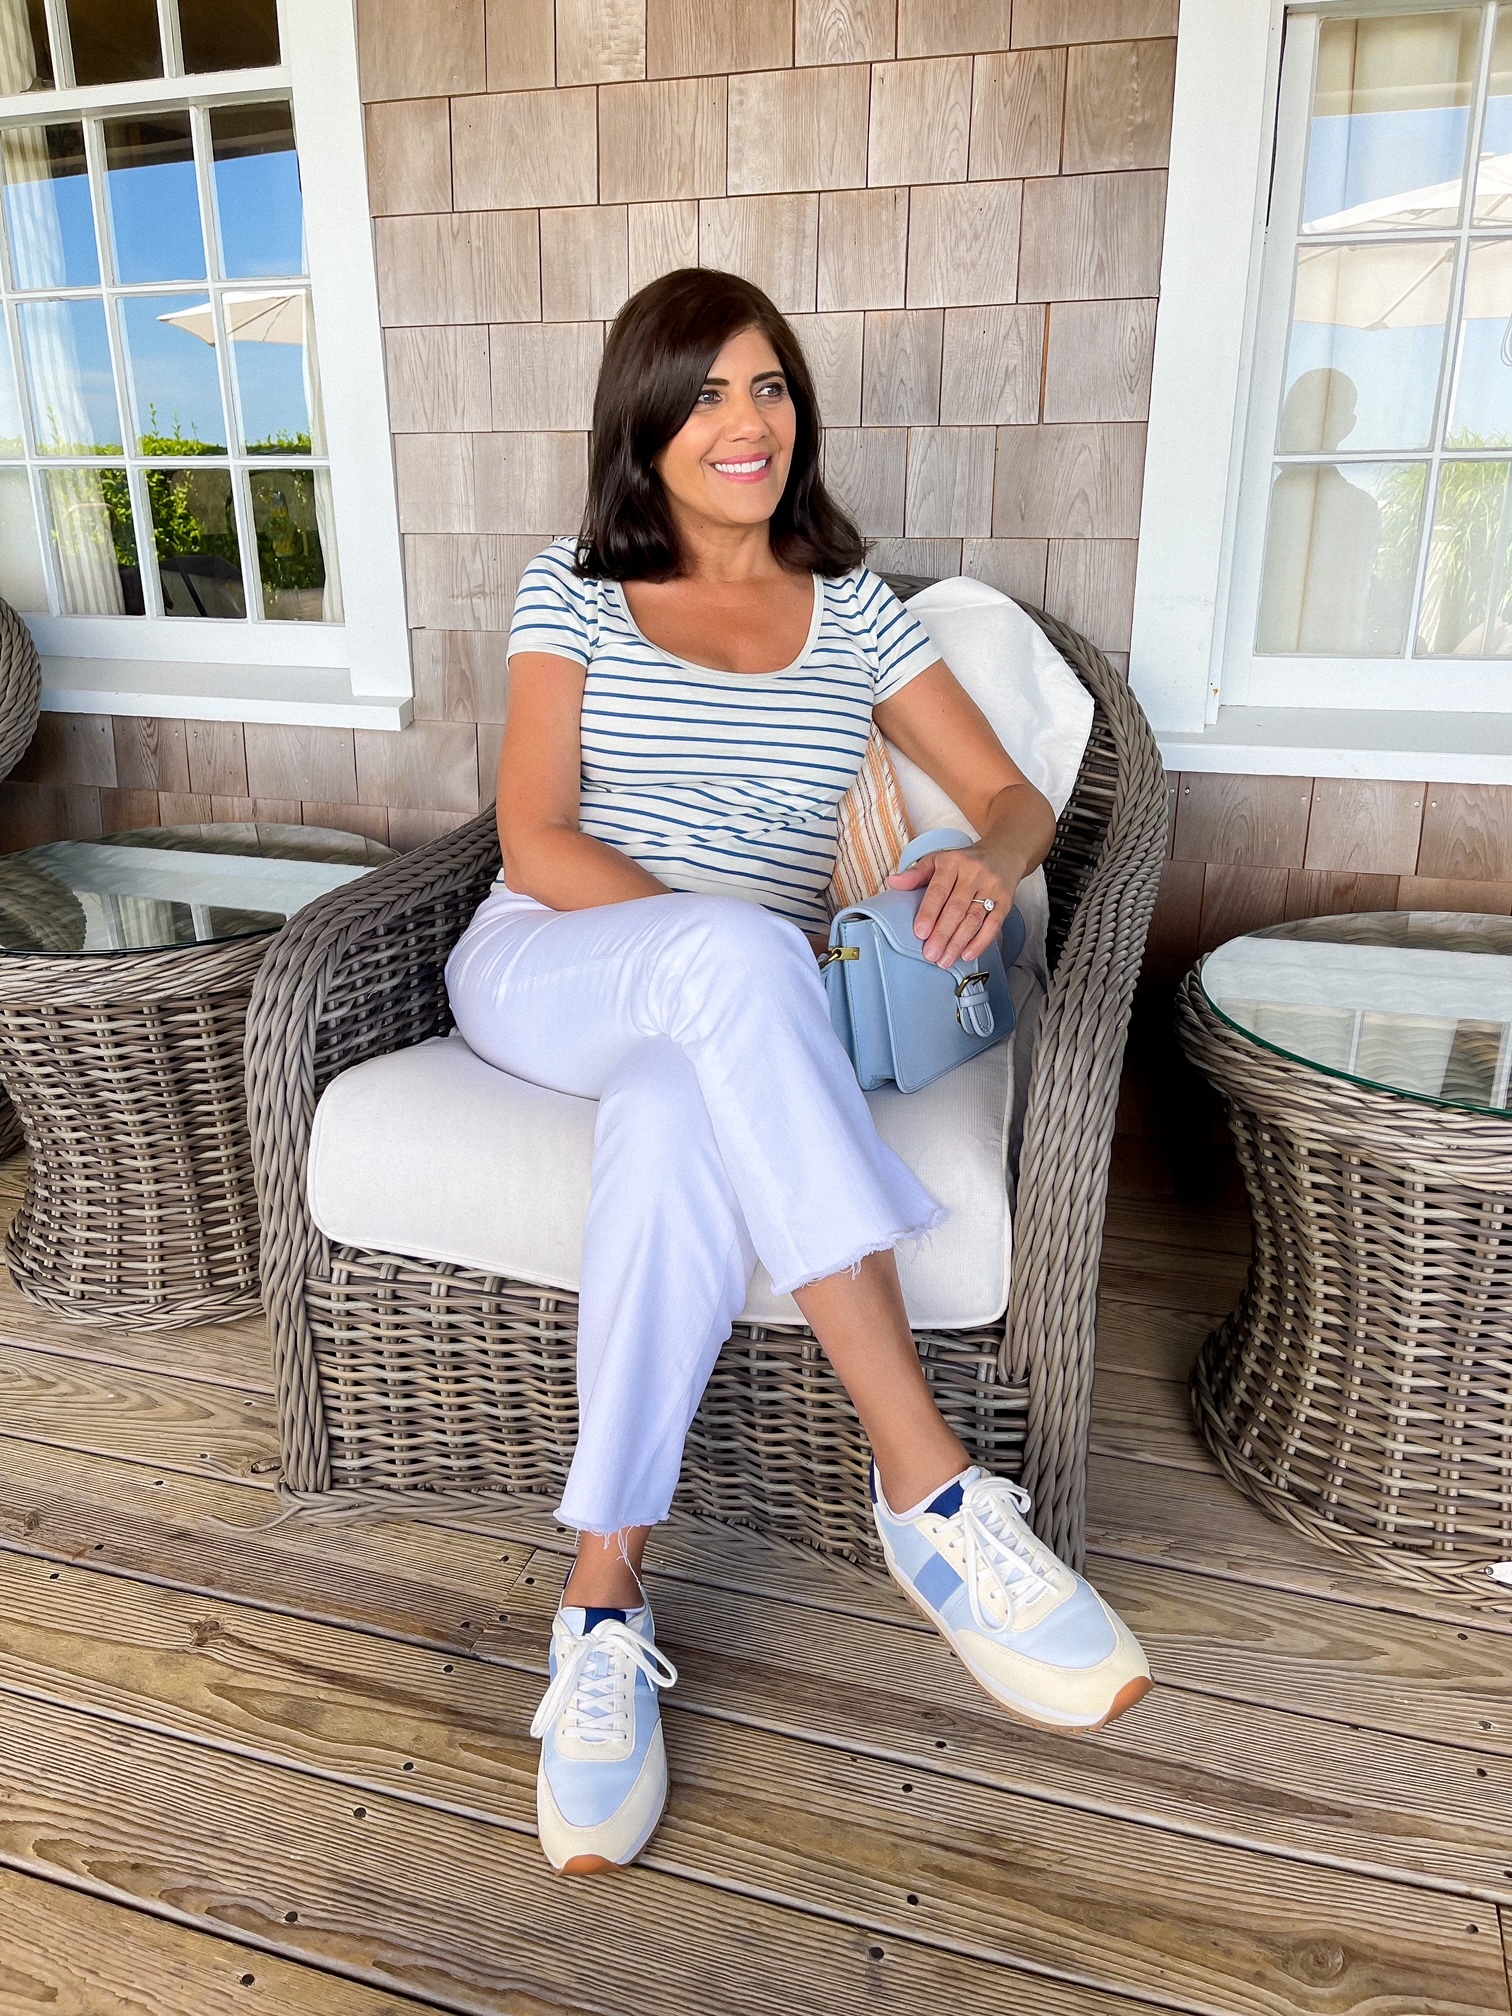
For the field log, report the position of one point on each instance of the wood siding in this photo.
(960, 203)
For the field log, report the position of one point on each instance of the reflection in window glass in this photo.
(22, 582)
(48, 216)
(154, 200)
(175, 381)
(194, 527)
(114, 40)
(94, 540)
(257, 191)
(1467, 592)
(11, 442)
(275, 371)
(1481, 415)
(1391, 120)
(1369, 319)
(291, 515)
(228, 34)
(1340, 553)
(73, 399)
(1493, 180)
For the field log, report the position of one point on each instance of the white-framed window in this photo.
(196, 490)
(1326, 558)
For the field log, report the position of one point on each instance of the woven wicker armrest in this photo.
(356, 974)
(1103, 871)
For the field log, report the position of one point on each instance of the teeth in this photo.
(742, 468)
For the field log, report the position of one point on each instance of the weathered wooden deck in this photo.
(285, 1769)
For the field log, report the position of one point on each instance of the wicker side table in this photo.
(126, 968)
(1361, 1390)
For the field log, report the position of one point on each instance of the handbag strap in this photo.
(938, 840)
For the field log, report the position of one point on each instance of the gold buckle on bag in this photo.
(838, 952)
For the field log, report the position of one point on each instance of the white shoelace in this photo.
(600, 1702)
(1000, 1552)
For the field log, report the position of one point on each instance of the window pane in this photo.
(194, 525)
(1467, 595)
(175, 381)
(1493, 181)
(257, 191)
(1391, 119)
(11, 443)
(1340, 555)
(1370, 318)
(295, 553)
(228, 34)
(68, 367)
(1482, 411)
(25, 54)
(154, 200)
(47, 207)
(114, 40)
(275, 371)
(95, 541)
(22, 581)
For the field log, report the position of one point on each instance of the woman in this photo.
(693, 682)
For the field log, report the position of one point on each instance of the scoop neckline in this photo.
(720, 671)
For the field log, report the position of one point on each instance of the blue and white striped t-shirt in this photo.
(722, 782)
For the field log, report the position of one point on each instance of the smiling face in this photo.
(728, 463)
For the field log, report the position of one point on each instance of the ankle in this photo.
(910, 1479)
(606, 1573)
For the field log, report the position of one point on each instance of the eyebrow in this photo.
(760, 377)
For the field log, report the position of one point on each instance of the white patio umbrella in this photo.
(1404, 284)
(261, 316)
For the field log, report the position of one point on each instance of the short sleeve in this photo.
(904, 648)
(553, 610)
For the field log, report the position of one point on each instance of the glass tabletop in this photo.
(1411, 1001)
(170, 886)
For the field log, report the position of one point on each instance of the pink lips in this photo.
(758, 475)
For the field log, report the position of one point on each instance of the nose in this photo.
(744, 419)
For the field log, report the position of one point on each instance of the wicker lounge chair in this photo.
(402, 1376)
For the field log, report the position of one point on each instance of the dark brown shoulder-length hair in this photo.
(660, 349)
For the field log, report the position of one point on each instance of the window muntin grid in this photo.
(1388, 529)
(213, 464)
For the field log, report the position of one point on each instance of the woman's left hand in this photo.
(970, 892)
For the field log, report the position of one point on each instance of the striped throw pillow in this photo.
(872, 830)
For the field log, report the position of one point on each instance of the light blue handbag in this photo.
(903, 1021)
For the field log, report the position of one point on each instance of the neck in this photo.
(713, 552)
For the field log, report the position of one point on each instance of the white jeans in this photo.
(730, 1129)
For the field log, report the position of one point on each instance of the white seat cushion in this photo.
(435, 1155)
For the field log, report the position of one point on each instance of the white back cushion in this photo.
(1039, 710)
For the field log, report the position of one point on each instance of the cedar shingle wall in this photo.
(960, 203)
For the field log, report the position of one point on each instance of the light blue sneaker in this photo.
(602, 1781)
(1028, 1630)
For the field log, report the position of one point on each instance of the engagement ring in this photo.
(986, 902)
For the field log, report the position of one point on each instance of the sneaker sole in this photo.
(1131, 1692)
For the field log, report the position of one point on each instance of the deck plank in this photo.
(1197, 1277)
(1282, 1782)
(1009, 1879)
(66, 1953)
(154, 1418)
(1146, 1339)
(460, 1910)
(1138, 1512)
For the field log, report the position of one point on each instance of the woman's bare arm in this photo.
(540, 765)
(937, 725)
